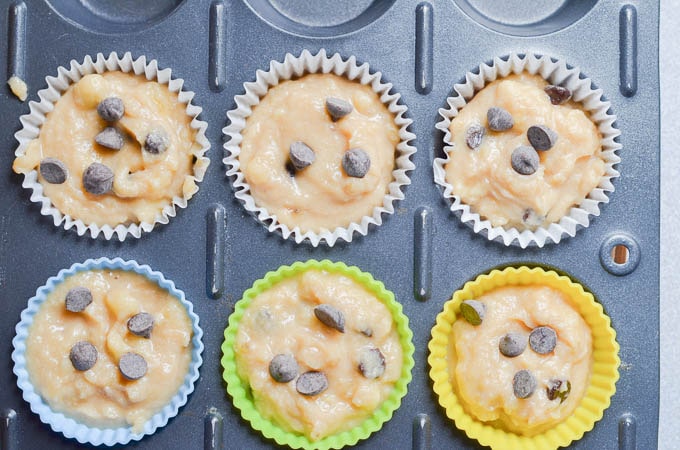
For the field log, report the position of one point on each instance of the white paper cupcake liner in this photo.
(296, 66)
(68, 426)
(558, 73)
(56, 86)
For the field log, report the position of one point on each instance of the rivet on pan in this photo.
(620, 254)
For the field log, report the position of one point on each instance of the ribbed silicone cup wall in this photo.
(213, 250)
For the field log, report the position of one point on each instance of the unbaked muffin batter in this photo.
(102, 396)
(484, 177)
(282, 321)
(483, 377)
(322, 195)
(143, 182)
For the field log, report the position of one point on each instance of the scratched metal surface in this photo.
(228, 41)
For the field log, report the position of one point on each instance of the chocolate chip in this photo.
(111, 138)
(512, 344)
(541, 137)
(111, 109)
(499, 119)
(530, 218)
(558, 389)
(330, 317)
(473, 311)
(98, 179)
(523, 384)
(356, 163)
(283, 368)
(558, 94)
(474, 135)
(141, 324)
(83, 356)
(311, 383)
(368, 332)
(78, 298)
(53, 171)
(301, 155)
(338, 108)
(524, 160)
(542, 340)
(132, 366)
(156, 142)
(371, 362)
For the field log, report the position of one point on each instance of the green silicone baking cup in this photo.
(240, 390)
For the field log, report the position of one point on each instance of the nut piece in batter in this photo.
(524, 389)
(318, 152)
(320, 353)
(88, 363)
(523, 154)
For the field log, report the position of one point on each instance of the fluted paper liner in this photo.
(556, 72)
(604, 373)
(61, 422)
(240, 390)
(296, 66)
(56, 86)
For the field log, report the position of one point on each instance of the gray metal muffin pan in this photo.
(214, 250)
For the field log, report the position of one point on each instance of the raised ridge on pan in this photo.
(293, 67)
(56, 86)
(556, 72)
(69, 427)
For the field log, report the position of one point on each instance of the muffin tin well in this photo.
(214, 249)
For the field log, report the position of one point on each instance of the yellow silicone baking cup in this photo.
(602, 380)
(240, 391)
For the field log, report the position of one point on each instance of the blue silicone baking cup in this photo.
(70, 427)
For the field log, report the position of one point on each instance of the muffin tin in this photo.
(214, 250)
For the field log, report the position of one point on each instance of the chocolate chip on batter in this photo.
(283, 368)
(531, 218)
(111, 138)
(558, 94)
(78, 298)
(111, 109)
(141, 324)
(367, 331)
(541, 137)
(371, 362)
(542, 340)
(83, 356)
(98, 179)
(524, 160)
(558, 389)
(156, 142)
(499, 119)
(330, 317)
(512, 344)
(523, 384)
(53, 171)
(311, 383)
(474, 135)
(132, 366)
(301, 155)
(473, 311)
(338, 108)
(356, 163)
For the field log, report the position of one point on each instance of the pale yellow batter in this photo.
(101, 396)
(482, 377)
(484, 178)
(281, 321)
(321, 196)
(143, 183)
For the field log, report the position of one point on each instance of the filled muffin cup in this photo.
(589, 99)
(32, 125)
(242, 393)
(603, 376)
(63, 423)
(292, 68)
